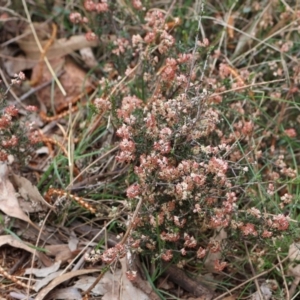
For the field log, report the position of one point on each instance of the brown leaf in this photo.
(294, 271)
(60, 47)
(29, 192)
(43, 272)
(60, 279)
(12, 241)
(73, 80)
(8, 201)
(294, 252)
(61, 252)
(68, 293)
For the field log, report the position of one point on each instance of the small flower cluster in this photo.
(94, 256)
(90, 7)
(99, 7)
(17, 137)
(76, 18)
(108, 256)
(268, 226)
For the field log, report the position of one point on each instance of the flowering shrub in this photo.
(188, 147)
(17, 138)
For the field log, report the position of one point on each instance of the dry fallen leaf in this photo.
(73, 241)
(43, 282)
(59, 48)
(8, 201)
(88, 57)
(29, 192)
(60, 279)
(294, 252)
(295, 272)
(101, 288)
(113, 286)
(43, 272)
(68, 293)
(61, 252)
(231, 297)
(12, 241)
(73, 80)
(266, 292)
(126, 289)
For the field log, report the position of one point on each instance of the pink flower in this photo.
(219, 267)
(167, 256)
(163, 146)
(170, 237)
(129, 104)
(34, 137)
(75, 17)
(201, 252)
(124, 132)
(280, 222)
(133, 190)
(3, 156)
(217, 166)
(183, 252)
(178, 222)
(11, 142)
(137, 4)
(113, 253)
(190, 241)
(266, 234)
(89, 5)
(249, 229)
(127, 145)
(131, 275)
(149, 37)
(31, 108)
(12, 110)
(5, 121)
(247, 128)
(101, 7)
(102, 104)
(90, 36)
(291, 132)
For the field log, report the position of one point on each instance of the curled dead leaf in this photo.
(9, 203)
(59, 48)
